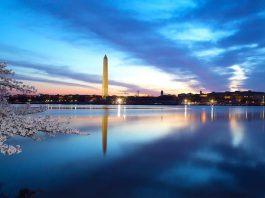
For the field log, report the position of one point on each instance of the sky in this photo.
(178, 46)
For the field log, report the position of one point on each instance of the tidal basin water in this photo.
(144, 151)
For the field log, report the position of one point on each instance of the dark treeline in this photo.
(214, 98)
(92, 99)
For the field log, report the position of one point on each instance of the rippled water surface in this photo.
(144, 151)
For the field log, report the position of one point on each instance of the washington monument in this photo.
(105, 77)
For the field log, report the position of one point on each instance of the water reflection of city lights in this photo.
(203, 116)
(237, 130)
(185, 112)
(212, 113)
(119, 111)
(124, 113)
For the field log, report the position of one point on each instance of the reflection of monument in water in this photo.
(105, 132)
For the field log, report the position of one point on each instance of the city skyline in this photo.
(178, 47)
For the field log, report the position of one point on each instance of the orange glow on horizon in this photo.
(54, 89)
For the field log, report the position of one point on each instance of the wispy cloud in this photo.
(191, 32)
(66, 72)
(37, 79)
(237, 78)
(10, 49)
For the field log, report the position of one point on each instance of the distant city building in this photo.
(224, 98)
(105, 77)
(162, 93)
(214, 98)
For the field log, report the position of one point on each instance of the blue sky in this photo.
(152, 45)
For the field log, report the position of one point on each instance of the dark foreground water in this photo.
(169, 151)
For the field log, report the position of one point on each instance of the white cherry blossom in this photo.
(18, 120)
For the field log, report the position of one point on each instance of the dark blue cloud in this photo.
(247, 19)
(127, 34)
(4, 48)
(231, 26)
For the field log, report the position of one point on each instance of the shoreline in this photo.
(62, 105)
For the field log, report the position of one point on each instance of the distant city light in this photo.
(119, 100)
(211, 101)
